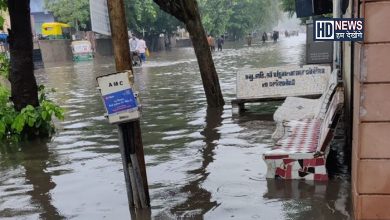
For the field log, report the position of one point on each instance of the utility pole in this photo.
(131, 146)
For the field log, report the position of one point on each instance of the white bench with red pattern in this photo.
(301, 154)
(296, 108)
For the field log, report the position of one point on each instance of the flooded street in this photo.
(201, 163)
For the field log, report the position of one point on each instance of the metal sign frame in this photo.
(100, 20)
(119, 99)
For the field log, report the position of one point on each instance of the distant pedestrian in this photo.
(275, 36)
(141, 48)
(220, 42)
(211, 41)
(264, 37)
(249, 40)
(133, 42)
(167, 43)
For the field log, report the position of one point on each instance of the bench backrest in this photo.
(325, 98)
(330, 119)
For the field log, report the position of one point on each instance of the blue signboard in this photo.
(120, 101)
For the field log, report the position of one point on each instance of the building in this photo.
(39, 15)
(370, 83)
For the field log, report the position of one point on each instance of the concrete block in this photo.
(183, 42)
(373, 207)
(373, 177)
(375, 102)
(377, 17)
(356, 73)
(56, 51)
(376, 66)
(104, 47)
(375, 139)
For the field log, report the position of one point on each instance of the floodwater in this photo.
(201, 163)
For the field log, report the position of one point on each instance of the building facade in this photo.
(39, 15)
(370, 84)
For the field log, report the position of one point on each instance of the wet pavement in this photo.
(201, 163)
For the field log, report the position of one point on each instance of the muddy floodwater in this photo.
(201, 163)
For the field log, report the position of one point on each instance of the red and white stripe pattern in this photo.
(293, 157)
(303, 136)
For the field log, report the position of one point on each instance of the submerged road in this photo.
(201, 163)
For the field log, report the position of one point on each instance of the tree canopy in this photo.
(288, 6)
(235, 17)
(73, 12)
(146, 16)
(238, 17)
(3, 7)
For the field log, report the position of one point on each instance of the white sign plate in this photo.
(80, 47)
(118, 98)
(282, 81)
(99, 17)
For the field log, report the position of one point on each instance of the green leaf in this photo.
(44, 115)
(2, 128)
(31, 121)
(39, 119)
(18, 123)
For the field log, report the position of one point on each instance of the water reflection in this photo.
(36, 159)
(200, 200)
(305, 200)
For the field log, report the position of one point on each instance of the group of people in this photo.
(211, 42)
(274, 36)
(138, 49)
(264, 37)
(291, 33)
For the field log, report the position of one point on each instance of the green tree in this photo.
(288, 6)
(3, 7)
(73, 12)
(238, 17)
(144, 17)
(28, 114)
(215, 15)
(252, 15)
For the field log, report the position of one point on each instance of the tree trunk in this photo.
(187, 12)
(206, 64)
(24, 90)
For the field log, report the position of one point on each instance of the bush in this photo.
(31, 121)
(4, 65)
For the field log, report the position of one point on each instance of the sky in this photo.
(36, 5)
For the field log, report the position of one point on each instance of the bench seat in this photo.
(296, 108)
(296, 157)
(301, 153)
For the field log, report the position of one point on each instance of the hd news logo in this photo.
(339, 29)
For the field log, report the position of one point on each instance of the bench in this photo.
(301, 154)
(297, 108)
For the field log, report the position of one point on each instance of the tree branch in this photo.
(172, 7)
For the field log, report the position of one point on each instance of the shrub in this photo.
(31, 121)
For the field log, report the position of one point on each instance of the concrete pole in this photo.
(130, 132)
